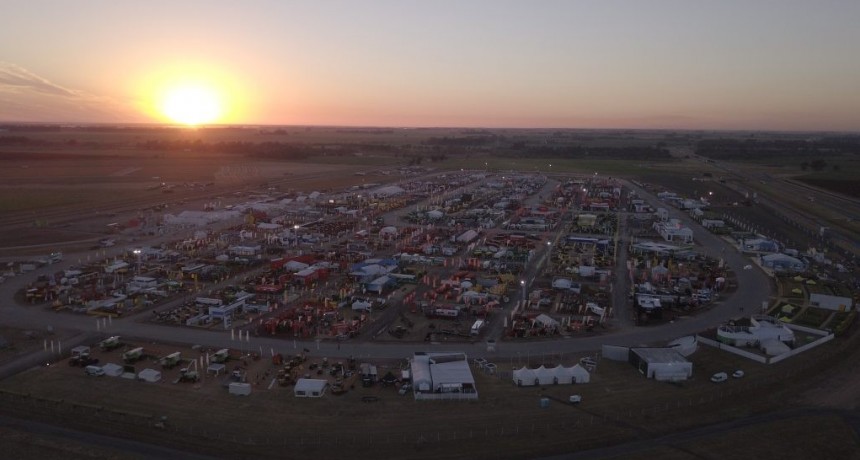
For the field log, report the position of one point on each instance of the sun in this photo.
(192, 104)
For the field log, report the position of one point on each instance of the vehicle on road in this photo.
(738, 374)
(575, 399)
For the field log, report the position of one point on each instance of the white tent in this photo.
(361, 305)
(562, 283)
(545, 376)
(578, 374)
(295, 266)
(149, 375)
(524, 377)
(546, 321)
(112, 370)
(310, 388)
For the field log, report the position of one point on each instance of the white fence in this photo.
(801, 349)
(731, 349)
(826, 337)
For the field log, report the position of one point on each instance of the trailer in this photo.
(239, 389)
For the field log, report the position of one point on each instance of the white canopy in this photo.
(524, 377)
(546, 320)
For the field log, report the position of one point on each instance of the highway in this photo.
(754, 287)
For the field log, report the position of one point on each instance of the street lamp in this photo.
(523, 284)
(137, 254)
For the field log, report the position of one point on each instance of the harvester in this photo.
(110, 343)
(221, 356)
(170, 361)
(133, 355)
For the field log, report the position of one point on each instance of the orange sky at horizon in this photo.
(667, 64)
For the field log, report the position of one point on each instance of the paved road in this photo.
(753, 288)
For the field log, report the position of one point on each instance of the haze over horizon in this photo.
(667, 64)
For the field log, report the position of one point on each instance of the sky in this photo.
(655, 64)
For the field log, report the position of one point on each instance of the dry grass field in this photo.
(506, 422)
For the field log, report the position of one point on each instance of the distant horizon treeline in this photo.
(744, 149)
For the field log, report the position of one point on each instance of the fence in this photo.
(731, 349)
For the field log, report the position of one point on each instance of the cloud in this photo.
(25, 96)
(14, 76)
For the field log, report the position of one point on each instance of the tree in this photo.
(818, 165)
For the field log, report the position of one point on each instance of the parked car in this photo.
(405, 388)
(719, 377)
(738, 374)
(575, 399)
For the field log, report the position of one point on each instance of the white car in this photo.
(738, 374)
(719, 377)
(747, 267)
(575, 399)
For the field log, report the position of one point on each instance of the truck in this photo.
(133, 355)
(110, 343)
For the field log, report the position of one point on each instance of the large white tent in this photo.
(149, 375)
(310, 388)
(545, 376)
(526, 377)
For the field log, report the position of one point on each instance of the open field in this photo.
(507, 422)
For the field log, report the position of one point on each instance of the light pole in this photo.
(137, 255)
(523, 284)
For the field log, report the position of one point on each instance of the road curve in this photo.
(754, 286)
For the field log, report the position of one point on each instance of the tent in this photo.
(579, 374)
(361, 305)
(524, 377)
(310, 388)
(295, 266)
(545, 376)
(112, 370)
(546, 321)
(149, 375)
(561, 283)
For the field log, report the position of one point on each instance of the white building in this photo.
(664, 364)
(673, 230)
(442, 376)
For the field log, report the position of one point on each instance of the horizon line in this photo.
(428, 127)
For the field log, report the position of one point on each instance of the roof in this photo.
(311, 385)
(442, 368)
(660, 355)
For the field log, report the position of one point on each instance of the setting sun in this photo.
(192, 105)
